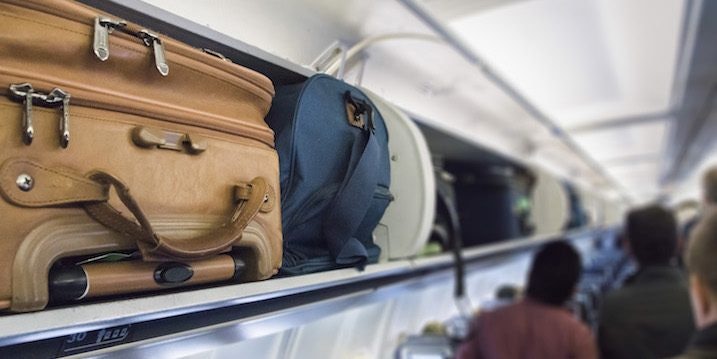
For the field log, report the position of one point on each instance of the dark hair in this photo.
(709, 182)
(554, 273)
(702, 249)
(652, 234)
(507, 292)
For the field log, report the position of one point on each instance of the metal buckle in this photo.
(359, 113)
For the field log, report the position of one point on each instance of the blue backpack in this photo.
(335, 175)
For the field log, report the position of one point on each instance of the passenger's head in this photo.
(554, 273)
(652, 235)
(709, 185)
(701, 261)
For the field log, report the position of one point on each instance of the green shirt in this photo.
(650, 317)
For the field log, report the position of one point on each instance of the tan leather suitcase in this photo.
(116, 139)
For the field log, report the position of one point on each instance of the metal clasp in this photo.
(152, 40)
(59, 98)
(25, 93)
(359, 112)
(104, 26)
(101, 42)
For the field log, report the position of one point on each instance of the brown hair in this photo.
(701, 254)
(709, 183)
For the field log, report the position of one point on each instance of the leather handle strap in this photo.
(153, 245)
(30, 184)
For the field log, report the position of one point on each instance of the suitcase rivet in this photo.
(25, 182)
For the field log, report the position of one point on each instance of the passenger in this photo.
(538, 326)
(709, 187)
(650, 316)
(702, 268)
(687, 214)
(709, 199)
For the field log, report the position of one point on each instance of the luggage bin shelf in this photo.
(238, 312)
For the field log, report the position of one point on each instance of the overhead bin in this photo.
(406, 225)
(550, 204)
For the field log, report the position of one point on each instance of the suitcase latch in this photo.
(176, 141)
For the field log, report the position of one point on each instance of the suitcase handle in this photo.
(251, 198)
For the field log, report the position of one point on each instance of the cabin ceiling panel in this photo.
(582, 60)
(630, 141)
(448, 10)
(640, 179)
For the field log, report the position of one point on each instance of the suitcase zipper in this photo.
(105, 26)
(59, 98)
(127, 35)
(56, 98)
(75, 12)
(216, 54)
(152, 40)
(101, 41)
(24, 93)
(28, 96)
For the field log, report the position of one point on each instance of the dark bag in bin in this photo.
(486, 203)
(333, 154)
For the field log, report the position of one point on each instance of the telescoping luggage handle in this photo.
(353, 198)
(30, 184)
(71, 282)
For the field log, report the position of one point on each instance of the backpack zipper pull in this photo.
(152, 40)
(24, 92)
(101, 43)
(55, 97)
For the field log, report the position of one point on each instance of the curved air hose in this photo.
(359, 46)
